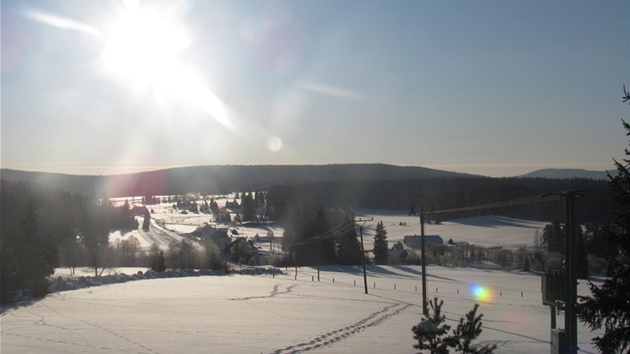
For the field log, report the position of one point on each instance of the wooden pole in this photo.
(570, 274)
(425, 309)
(363, 260)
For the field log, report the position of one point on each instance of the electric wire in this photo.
(502, 204)
(341, 228)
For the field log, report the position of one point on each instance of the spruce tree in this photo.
(248, 207)
(348, 247)
(146, 223)
(432, 333)
(157, 261)
(553, 237)
(469, 330)
(608, 306)
(380, 244)
(34, 253)
(582, 256)
(95, 237)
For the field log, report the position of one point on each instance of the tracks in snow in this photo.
(274, 292)
(43, 321)
(336, 335)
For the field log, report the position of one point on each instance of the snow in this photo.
(200, 312)
(280, 314)
(487, 231)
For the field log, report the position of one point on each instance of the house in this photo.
(415, 241)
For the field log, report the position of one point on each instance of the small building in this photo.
(415, 241)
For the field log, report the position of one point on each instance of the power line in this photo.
(340, 228)
(502, 204)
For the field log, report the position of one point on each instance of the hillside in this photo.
(565, 173)
(221, 179)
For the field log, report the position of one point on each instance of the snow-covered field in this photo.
(281, 314)
(487, 231)
(288, 314)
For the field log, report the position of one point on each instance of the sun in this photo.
(144, 45)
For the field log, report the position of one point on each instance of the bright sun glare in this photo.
(141, 45)
(145, 45)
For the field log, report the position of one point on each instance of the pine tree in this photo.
(248, 207)
(34, 253)
(432, 333)
(380, 244)
(146, 223)
(348, 247)
(553, 237)
(582, 256)
(469, 330)
(157, 261)
(608, 306)
(95, 237)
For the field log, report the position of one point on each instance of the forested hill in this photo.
(369, 186)
(567, 173)
(221, 179)
(597, 205)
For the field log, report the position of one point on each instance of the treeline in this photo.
(42, 229)
(449, 193)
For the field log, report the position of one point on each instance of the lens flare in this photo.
(480, 293)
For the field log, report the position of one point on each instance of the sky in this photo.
(498, 88)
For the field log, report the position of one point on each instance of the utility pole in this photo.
(363, 252)
(570, 272)
(318, 261)
(425, 309)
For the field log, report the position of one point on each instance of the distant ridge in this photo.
(565, 173)
(222, 178)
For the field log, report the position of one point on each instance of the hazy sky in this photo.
(497, 88)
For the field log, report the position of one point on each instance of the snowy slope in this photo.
(281, 314)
